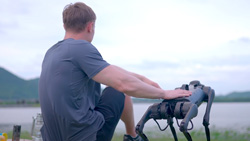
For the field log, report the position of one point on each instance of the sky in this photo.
(171, 42)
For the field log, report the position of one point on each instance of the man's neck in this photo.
(77, 36)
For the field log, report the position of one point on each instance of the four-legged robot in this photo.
(184, 108)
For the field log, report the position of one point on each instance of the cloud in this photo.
(226, 68)
(172, 42)
(245, 39)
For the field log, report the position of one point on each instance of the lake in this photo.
(230, 116)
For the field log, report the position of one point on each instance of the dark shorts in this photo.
(111, 106)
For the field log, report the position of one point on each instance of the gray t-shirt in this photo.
(68, 95)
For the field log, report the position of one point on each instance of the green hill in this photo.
(231, 97)
(234, 97)
(15, 88)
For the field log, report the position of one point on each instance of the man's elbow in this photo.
(125, 88)
(120, 87)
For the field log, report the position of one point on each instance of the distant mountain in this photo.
(234, 97)
(15, 88)
(231, 97)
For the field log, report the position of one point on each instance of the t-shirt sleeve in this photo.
(89, 59)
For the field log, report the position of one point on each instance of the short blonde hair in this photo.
(76, 16)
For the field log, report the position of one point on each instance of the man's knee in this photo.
(113, 94)
(111, 101)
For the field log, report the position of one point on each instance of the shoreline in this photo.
(27, 128)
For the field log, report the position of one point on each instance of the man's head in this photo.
(77, 17)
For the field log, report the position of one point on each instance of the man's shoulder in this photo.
(79, 44)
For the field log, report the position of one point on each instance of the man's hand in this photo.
(171, 94)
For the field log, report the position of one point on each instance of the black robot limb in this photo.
(185, 108)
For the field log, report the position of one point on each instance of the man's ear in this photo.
(64, 27)
(90, 26)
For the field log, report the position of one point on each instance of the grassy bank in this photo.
(197, 135)
(24, 135)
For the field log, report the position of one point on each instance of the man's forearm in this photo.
(135, 87)
(140, 77)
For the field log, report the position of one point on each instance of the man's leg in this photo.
(115, 106)
(128, 116)
(111, 106)
(128, 119)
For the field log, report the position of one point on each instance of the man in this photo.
(69, 87)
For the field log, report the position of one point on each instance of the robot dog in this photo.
(184, 108)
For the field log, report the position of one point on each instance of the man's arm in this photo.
(141, 77)
(133, 84)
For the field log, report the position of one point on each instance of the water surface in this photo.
(223, 115)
